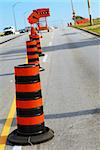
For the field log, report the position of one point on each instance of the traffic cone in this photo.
(33, 54)
(37, 39)
(33, 31)
(31, 127)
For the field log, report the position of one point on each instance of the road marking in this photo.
(50, 43)
(17, 147)
(6, 128)
(52, 35)
(45, 58)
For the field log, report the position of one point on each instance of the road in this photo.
(70, 88)
(6, 38)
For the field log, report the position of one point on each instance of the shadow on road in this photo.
(12, 59)
(51, 116)
(7, 74)
(72, 45)
(62, 115)
(14, 52)
(72, 33)
(73, 114)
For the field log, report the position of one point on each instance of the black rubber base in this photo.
(41, 69)
(17, 139)
(41, 54)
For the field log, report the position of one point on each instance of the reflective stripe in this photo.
(33, 56)
(30, 120)
(30, 43)
(28, 87)
(27, 71)
(32, 49)
(29, 103)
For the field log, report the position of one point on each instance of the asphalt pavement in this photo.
(6, 38)
(70, 88)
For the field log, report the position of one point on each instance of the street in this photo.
(70, 88)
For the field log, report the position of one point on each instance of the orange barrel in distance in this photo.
(33, 31)
(29, 108)
(37, 39)
(32, 52)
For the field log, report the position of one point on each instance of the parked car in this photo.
(9, 30)
(27, 29)
(22, 31)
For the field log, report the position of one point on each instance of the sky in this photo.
(60, 10)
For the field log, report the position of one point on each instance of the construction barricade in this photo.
(31, 127)
(37, 39)
(33, 54)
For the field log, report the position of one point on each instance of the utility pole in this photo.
(25, 18)
(88, 1)
(14, 17)
(73, 12)
(13, 10)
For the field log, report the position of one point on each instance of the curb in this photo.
(98, 35)
(10, 39)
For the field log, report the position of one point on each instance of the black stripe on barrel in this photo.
(31, 46)
(39, 47)
(28, 95)
(27, 79)
(38, 43)
(30, 112)
(35, 38)
(32, 53)
(33, 60)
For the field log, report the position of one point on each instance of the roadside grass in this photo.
(94, 28)
(82, 25)
(96, 21)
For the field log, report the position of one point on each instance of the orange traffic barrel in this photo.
(33, 31)
(32, 52)
(37, 39)
(29, 107)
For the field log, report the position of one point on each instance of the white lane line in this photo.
(52, 35)
(50, 43)
(45, 58)
(17, 147)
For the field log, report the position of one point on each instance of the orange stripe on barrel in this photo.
(28, 87)
(38, 41)
(27, 71)
(35, 62)
(26, 104)
(30, 43)
(36, 36)
(40, 50)
(30, 120)
(32, 49)
(33, 56)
